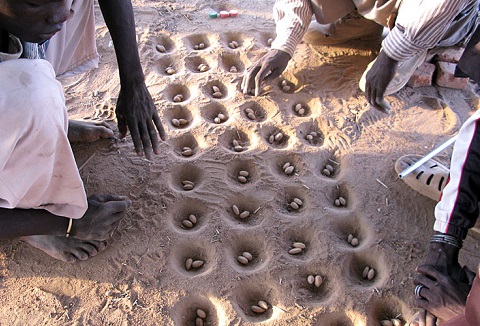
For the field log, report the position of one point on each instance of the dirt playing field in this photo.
(142, 278)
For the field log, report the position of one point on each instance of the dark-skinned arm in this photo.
(135, 108)
(377, 79)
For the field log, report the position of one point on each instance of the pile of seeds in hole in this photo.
(242, 215)
(250, 114)
(312, 136)
(352, 240)
(299, 109)
(202, 67)
(340, 202)
(295, 204)
(178, 98)
(187, 151)
(277, 137)
(220, 118)
(233, 45)
(328, 170)
(260, 307)
(179, 122)
(368, 273)
(216, 92)
(188, 185)
(190, 222)
(288, 168)
(199, 46)
(297, 248)
(316, 280)
(193, 264)
(236, 146)
(242, 176)
(285, 86)
(245, 258)
(201, 316)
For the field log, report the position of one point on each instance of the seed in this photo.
(235, 43)
(195, 47)
(251, 116)
(294, 205)
(257, 309)
(242, 260)
(396, 322)
(201, 314)
(295, 251)
(298, 201)
(187, 182)
(386, 322)
(301, 111)
(314, 134)
(183, 121)
(318, 281)
(233, 69)
(300, 245)
(201, 46)
(326, 172)
(215, 89)
(238, 148)
(222, 116)
(244, 214)
(198, 321)
(270, 41)
(178, 98)
(235, 210)
(278, 136)
(310, 279)
(290, 169)
(188, 187)
(192, 218)
(262, 304)
(188, 263)
(354, 242)
(284, 83)
(217, 120)
(242, 179)
(329, 167)
(271, 139)
(248, 110)
(286, 88)
(337, 202)
(309, 137)
(235, 142)
(247, 255)
(286, 165)
(217, 95)
(187, 224)
(365, 272)
(187, 152)
(176, 122)
(371, 274)
(342, 201)
(298, 107)
(202, 67)
(160, 48)
(350, 238)
(243, 173)
(197, 263)
(170, 71)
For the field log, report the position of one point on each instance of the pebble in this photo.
(201, 313)
(270, 41)
(160, 48)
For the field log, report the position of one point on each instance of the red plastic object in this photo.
(224, 14)
(233, 13)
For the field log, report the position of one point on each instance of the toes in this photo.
(67, 258)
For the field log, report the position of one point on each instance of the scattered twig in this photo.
(86, 162)
(380, 182)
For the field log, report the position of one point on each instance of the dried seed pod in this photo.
(242, 260)
(247, 255)
(300, 245)
(251, 116)
(371, 274)
(310, 279)
(242, 179)
(318, 281)
(286, 165)
(326, 172)
(238, 148)
(244, 214)
(188, 263)
(187, 223)
(201, 313)
(201, 46)
(329, 167)
(270, 41)
(170, 71)
(257, 309)
(354, 242)
(217, 120)
(286, 88)
(298, 201)
(342, 201)
(294, 205)
(271, 139)
(217, 94)
(160, 48)
(295, 251)
(350, 238)
(301, 111)
(235, 210)
(244, 173)
(386, 322)
(199, 321)
(233, 69)
(176, 122)
(197, 263)
(289, 170)
(262, 304)
(192, 218)
(278, 136)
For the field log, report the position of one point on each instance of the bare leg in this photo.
(88, 131)
(68, 250)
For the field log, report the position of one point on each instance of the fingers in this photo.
(122, 125)
(248, 81)
(422, 317)
(429, 273)
(431, 320)
(145, 137)
(159, 126)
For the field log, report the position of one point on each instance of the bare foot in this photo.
(68, 250)
(88, 131)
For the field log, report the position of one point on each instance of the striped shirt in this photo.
(420, 25)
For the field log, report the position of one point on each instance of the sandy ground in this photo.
(141, 279)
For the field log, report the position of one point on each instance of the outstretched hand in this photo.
(377, 79)
(270, 66)
(136, 112)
